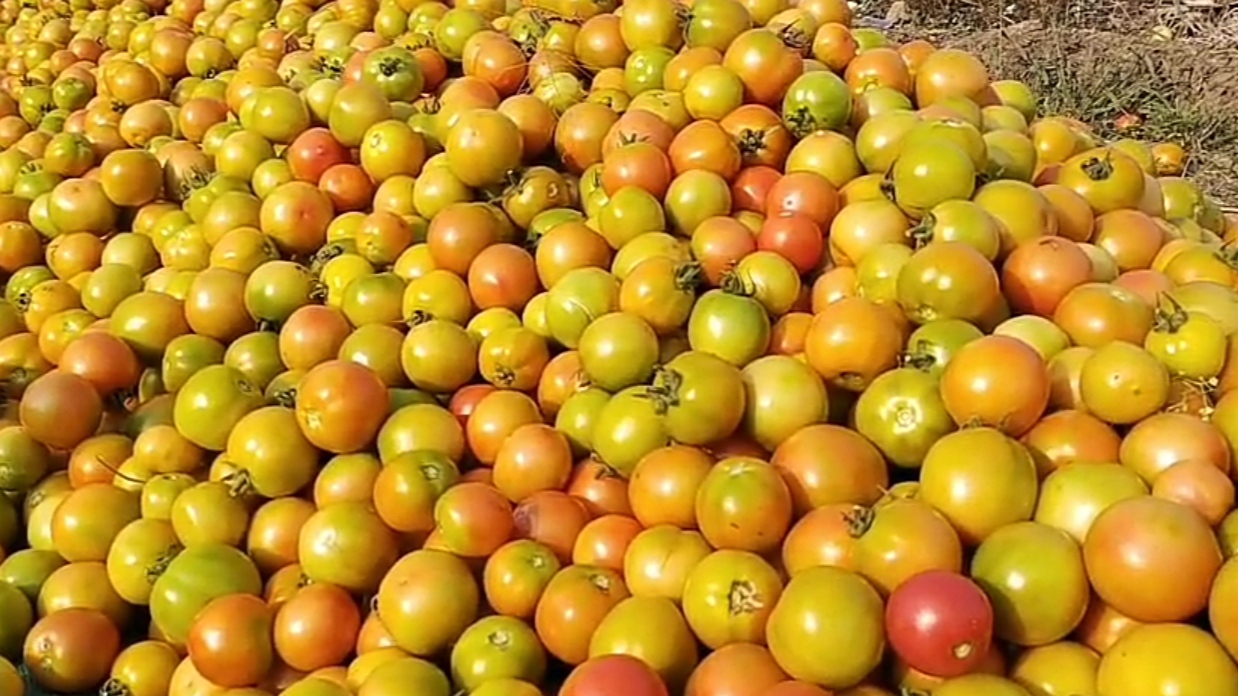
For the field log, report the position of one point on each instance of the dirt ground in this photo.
(1172, 64)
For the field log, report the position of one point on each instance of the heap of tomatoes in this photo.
(692, 348)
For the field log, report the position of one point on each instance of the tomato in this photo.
(895, 540)
(652, 629)
(851, 342)
(1121, 383)
(1190, 344)
(144, 668)
(1006, 482)
(743, 504)
(212, 401)
(579, 296)
(274, 532)
(269, 470)
(940, 623)
(71, 650)
(1107, 178)
(341, 406)
(516, 575)
(1070, 436)
(88, 520)
(402, 671)
(663, 486)
(627, 428)
(765, 66)
(614, 675)
(931, 172)
(192, 580)
(797, 628)
(728, 597)
(474, 519)
(421, 426)
(969, 385)
(980, 683)
(348, 545)
(315, 628)
(407, 486)
(783, 395)
(1130, 532)
(427, 600)
(1074, 495)
(497, 647)
(60, 409)
(1008, 565)
(138, 554)
(618, 350)
(230, 641)
(1197, 485)
(1062, 667)
(817, 100)
(729, 324)
(902, 412)
(1167, 657)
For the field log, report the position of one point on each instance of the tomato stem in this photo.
(1098, 168)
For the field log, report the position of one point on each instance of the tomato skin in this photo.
(627, 428)
(614, 675)
(230, 642)
(743, 504)
(940, 623)
(1035, 576)
(1141, 546)
(731, 326)
(573, 605)
(828, 609)
(1167, 658)
(902, 412)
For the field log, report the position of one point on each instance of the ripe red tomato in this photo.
(940, 623)
(795, 237)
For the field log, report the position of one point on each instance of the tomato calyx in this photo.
(194, 179)
(1097, 168)
(332, 66)
(801, 122)
(504, 376)
(689, 276)
(922, 234)
(390, 66)
(795, 38)
(158, 566)
(919, 357)
(114, 687)
(418, 317)
(751, 142)
(859, 520)
(1170, 316)
(734, 284)
(318, 292)
(240, 483)
(324, 255)
(743, 598)
(664, 389)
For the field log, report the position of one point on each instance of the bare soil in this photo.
(1173, 64)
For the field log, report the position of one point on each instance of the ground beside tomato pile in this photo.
(1172, 65)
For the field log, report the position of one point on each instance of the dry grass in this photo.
(1173, 65)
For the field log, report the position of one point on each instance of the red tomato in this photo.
(795, 237)
(940, 623)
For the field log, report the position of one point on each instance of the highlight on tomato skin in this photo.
(597, 348)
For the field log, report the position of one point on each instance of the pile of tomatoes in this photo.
(670, 348)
